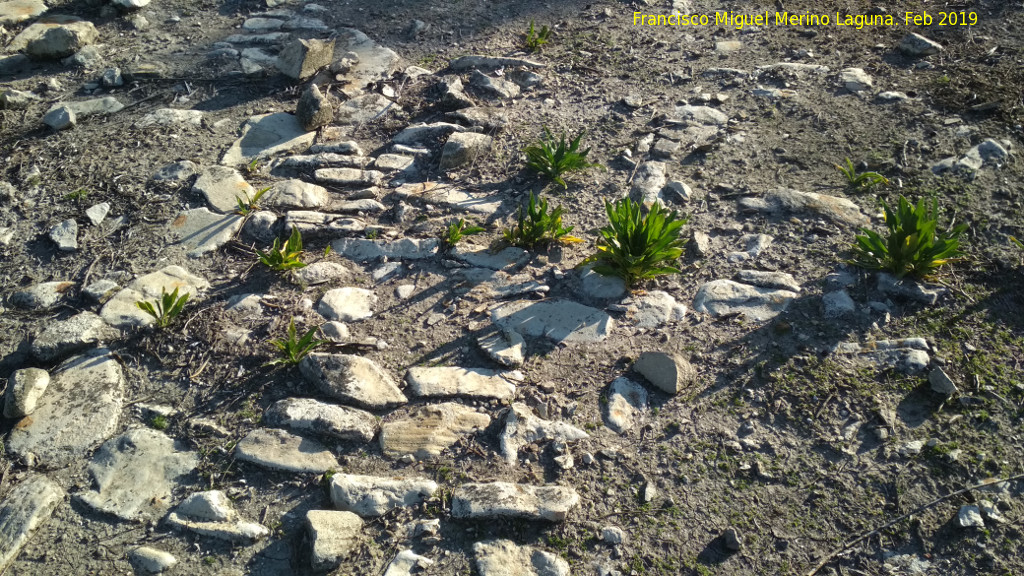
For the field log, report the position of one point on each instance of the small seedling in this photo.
(536, 227)
(535, 39)
(253, 166)
(1017, 242)
(293, 348)
(913, 246)
(553, 158)
(861, 181)
(457, 230)
(78, 195)
(287, 257)
(250, 205)
(372, 234)
(636, 247)
(158, 422)
(165, 309)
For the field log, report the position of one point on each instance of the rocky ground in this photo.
(484, 409)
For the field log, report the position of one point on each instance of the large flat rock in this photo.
(429, 430)
(63, 337)
(483, 203)
(627, 402)
(496, 500)
(267, 135)
(222, 187)
(558, 320)
(781, 201)
(201, 231)
(26, 508)
(506, 558)
(135, 473)
(370, 496)
(80, 409)
(352, 379)
(523, 427)
(309, 415)
(333, 536)
(362, 249)
(121, 311)
(721, 297)
(375, 61)
(280, 450)
(446, 381)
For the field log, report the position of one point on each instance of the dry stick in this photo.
(931, 504)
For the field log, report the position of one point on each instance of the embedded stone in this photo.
(429, 430)
(446, 381)
(314, 110)
(506, 558)
(24, 389)
(200, 231)
(333, 535)
(121, 310)
(721, 297)
(464, 148)
(371, 496)
(497, 500)
(27, 507)
(352, 379)
(308, 415)
(280, 450)
(556, 319)
(347, 304)
(267, 135)
(65, 336)
(670, 373)
(627, 401)
(222, 188)
(522, 427)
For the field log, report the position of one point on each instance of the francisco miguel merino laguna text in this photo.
(786, 19)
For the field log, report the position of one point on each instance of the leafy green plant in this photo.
(165, 309)
(249, 205)
(285, 257)
(635, 246)
(553, 158)
(536, 38)
(294, 348)
(253, 166)
(536, 226)
(158, 422)
(863, 180)
(913, 245)
(78, 195)
(457, 230)
(1017, 242)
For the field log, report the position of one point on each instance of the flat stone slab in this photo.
(363, 249)
(222, 187)
(211, 514)
(627, 402)
(375, 61)
(405, 562)
(507, 500)
(484, 258)
(352, 379)
(653, 309)
(308, 415)
(80, 409)
(765, 279)
(702, 115)
(26, 508)
(506, 558)
(201, 231)
(452, 197)
(347, 304)
(365, 108)
(721, 297)
(63, 337)
(280, 450)
(17, 11)
(41, 296)
(172, 117)
(429, 430)
(522, 428)
(670, 373)
(92, 107)
(370, 496)
(294, 193)
(333, 535)
(599, 286)
(447, 381)
(908, 355)
(506, 347)
(788, 201)
(558, 320)
(486, 284)
(134, 474)
(267, 135)
(121, 311)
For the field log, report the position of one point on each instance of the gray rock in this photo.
(150, 560)
(12, 99)
(670, 373)
(222, 188)
(200, 231)
(483, 258)
(373, 63)
(85, 108)
(371, 496)
(347, 304)
(197, 515)
(134, 474)
(601, 287)
(941, 382)
(702, 115)
(788, 201)
(321, 273)
(214, 506)
(652, 309)
(349, 176)
(474, 62)
(334, 536)
(908, 355)
(917, 45)
(493, 87)
(386, 271)
(506, 347)
(305, 24)
(121, 311)
(13, 64)
(172, 117)
(700, 244)
(451, 197)
(754, 245)
(732, 539)
(627, 401)
(308, 415)
(112, 78)
(318, 224)
(430, 430)
(969, 516)
(60, 338)
(556, 319)
(837, 304)
(294, 193)
(27, 507)
(494, 284)
(60, 118)
(505, 558)
(98, 213)
(394, 163)
(909, 288)
(41, 296)
(101, 290)
(262, 226)
(314, 110)
(352, 379)
(363, 109)
(721, 297)
(647, 184)
(447, 381)
(302, 58)
(892, 96)
(176, 172)
(497, 500)
(764, 279)
(18, 11)
(54, 38)
(464, 148)
(676, 192)
(80, 409)
(280, 450)
(89, 58)
(490, 120)
(425, 132)
(855, 80)
(262, 24)
(267, 135)
(452, 95)
(65, 235)
(405, 562)
(522, 428)
(362, 250)
(526, 79)
(24, 389)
